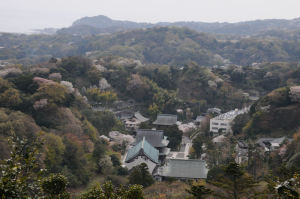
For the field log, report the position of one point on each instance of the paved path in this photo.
(183, 153)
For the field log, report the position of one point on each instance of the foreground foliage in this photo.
(198, 191)
(22, 176)
(109, 191)
(140, 175)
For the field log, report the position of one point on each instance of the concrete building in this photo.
(223, 122)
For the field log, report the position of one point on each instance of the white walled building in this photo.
(224, 121)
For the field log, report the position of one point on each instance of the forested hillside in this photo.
(163, 45)
(40, 103)
(103, 24)
(62, 95)
(276, 114)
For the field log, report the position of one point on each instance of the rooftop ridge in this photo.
(147, 149)
(154, 137)
(143, 142)
(167, 115)
(149, 130)
(187, 160)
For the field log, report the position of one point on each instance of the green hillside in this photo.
(42, 105)
(160, 45)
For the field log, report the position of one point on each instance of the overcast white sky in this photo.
(24, 15)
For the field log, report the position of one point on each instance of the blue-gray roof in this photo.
(145, 148)
(165, 119)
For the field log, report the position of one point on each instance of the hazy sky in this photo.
(24, 15)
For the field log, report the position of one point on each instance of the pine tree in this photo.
(198, 191)
(234, 180)
(140, 175)
(108, 191)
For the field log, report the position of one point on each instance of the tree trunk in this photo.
(235, 194)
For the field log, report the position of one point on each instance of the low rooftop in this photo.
(272, 141)
(155, 137)
(214, 110)
(231, 114)
(165, 119)
(242, 144)
(125, 115)
(219, 139)
(139, 116)
(178, 168)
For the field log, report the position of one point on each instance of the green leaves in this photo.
(95, 95)
(54, 92)
(108, 191)
(55, 186)
(197, 146)
(233, 171)
(76, 65)
(198, 190)
(285, 189)
(140, 175)
(20, 174)
(232, 179)
(10, 98)
(22, 177)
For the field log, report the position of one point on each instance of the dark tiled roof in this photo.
(140, 117)
(125, 115)
(262, 141)
(178, 168)
(154, 137)
(242, 144)
(165, 119)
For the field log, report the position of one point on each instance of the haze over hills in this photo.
(161, 45)
(176, 43)
(103, 24)
(88, 90)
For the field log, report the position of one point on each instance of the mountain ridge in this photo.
(104, 24)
